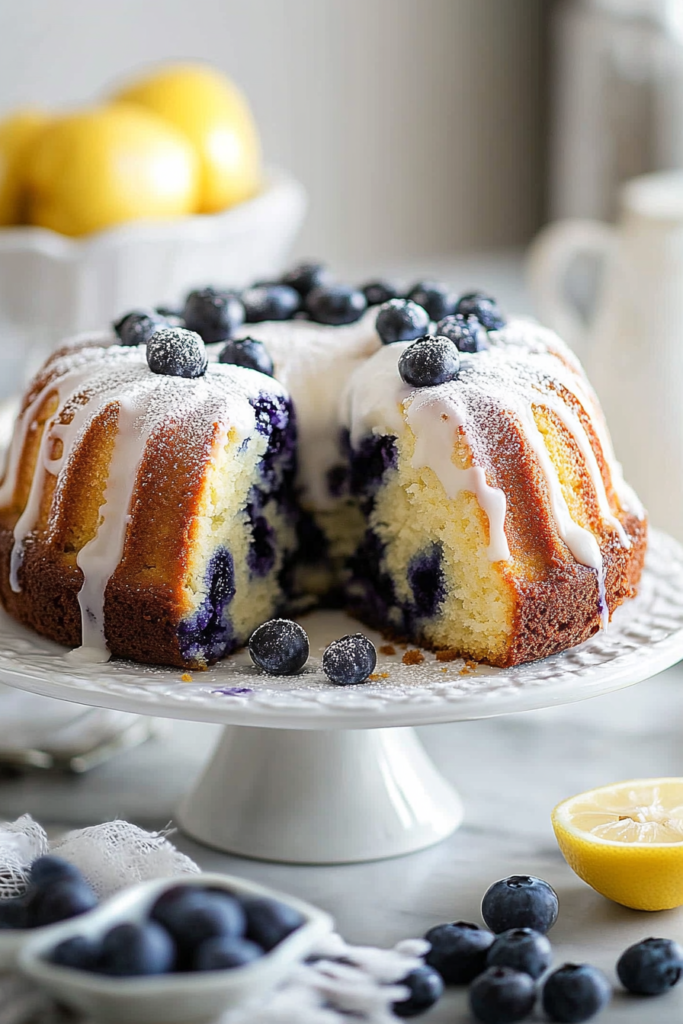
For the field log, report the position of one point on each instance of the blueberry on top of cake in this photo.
(445, 469)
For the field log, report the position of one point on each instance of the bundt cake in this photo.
(163, 497)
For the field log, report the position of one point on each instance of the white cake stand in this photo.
(307, 772)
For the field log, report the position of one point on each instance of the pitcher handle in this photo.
(550, 257)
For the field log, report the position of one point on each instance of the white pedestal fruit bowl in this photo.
(52, 287)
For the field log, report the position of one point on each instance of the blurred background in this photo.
(416, 127)
(411, 138)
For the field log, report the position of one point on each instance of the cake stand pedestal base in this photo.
(312, 773)
(320, 797)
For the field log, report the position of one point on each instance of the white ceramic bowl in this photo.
(172, 998)
(52, 286)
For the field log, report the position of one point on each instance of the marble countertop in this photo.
(510, 771)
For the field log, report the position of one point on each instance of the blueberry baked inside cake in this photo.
(445, 473)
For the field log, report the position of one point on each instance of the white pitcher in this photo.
(632, 347)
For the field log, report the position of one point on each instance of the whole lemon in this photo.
(16, 134)
(95, 168)
(215, 117)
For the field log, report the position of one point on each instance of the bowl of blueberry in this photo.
(55, 892)
(179, 950)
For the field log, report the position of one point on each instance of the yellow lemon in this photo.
(215, 117)
(95, 168)
(16, 133)
(626, 841)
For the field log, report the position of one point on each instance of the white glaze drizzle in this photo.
(87, 382)
(75, 374)
(98, 559)
(314, 362)
(434, 422)
(529, 333)
(517, 373)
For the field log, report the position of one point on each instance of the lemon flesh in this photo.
(626, 841)
(97, 168)
(17, 132)
(214, 116)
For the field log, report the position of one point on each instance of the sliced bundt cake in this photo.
(451, 482)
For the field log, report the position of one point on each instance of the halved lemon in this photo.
(626, 841)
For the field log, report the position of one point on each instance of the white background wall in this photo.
(415, 124)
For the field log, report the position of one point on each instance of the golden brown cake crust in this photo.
(556, 601)
(141, 624)
(563, 609)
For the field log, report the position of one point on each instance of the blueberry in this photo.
(13, 914)
(349, 660)
(136, 327)
(458, 951)
(59, 901)
(224, 954)
(49, 868)
(502, 996)
(130, 950)
(429, 361)
(466, 332)
(520, 901)
(307, 276)
(483, 307)
(175, 352)
(426, 988)
(78, 951)
(269, 921)
(336, 304)
(192, 915)
(377, 292)
(401, 320)
(575, 992)
(215, 315)
(523, 949)
(651, 967)
(437, 298)
(249, 353)
(270, 302)
(279, 647)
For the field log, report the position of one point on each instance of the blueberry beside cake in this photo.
(445, 473)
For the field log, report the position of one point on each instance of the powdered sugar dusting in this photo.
(524, 366)
(89, 380)
(314, 362)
